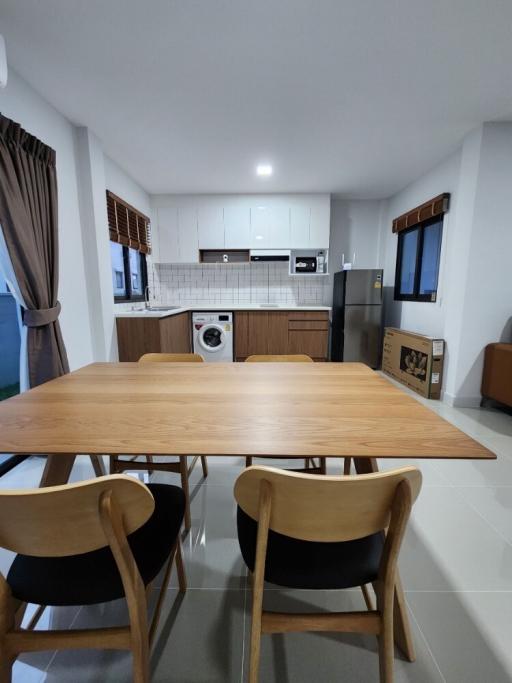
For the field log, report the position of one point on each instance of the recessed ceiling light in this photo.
(264, 169)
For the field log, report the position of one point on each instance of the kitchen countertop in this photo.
(143, 313)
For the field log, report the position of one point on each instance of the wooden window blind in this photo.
(434, 207)
(127, 225)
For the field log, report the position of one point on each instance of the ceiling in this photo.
(355, 97)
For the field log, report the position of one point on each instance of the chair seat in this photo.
(94, 577)
(295, 563)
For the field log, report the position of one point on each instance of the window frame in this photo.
(129, 296)
(416, 296)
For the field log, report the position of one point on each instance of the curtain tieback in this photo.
(41, 317)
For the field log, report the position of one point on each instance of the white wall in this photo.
(475, 285)
(22, 104)
(355, 230)
(118, 182)
(423, 317)
(486, 308)
(83, 174)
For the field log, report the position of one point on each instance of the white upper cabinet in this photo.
(300, 222)
(167, 226)
(177, 234)
(237, 224)
(210, 221)
(260, 227)
(186, 224)
(320, 226)
(270, 224)
(188, 240)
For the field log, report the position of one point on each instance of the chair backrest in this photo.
(65, 520)
(325, 508)
(273, 358)
(171, 358)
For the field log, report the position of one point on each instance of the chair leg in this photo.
(385, 605)
(180, 567)
(248, 461)
(204, 465)
(6, 664)
(149, 460)
(161, 595)
(367, 598)
(257, 607)
(346, 465)
(140, 654)
(7, 623)
(112, 459)
(97, 465)
(323, 465)
(184, 486)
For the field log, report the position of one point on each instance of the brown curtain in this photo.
(28, 218)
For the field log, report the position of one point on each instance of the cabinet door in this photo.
(187, 235)
(270, 225)
(300, 219)
(277, 332)
(320, 224)
(241, 332)
(237, 225)
(308, 332)
(279, 225)
(311, 342)
(137, 336)
(167, 225)
(260, 227)
(257, 333)
(210, 221)
(175, 334)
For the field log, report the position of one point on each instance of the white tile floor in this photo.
(456, 567)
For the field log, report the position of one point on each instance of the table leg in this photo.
(402, 627)
(97, 464)
(57, 469)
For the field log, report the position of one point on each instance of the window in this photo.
(417, 264)
(129, 243)
(129, 273)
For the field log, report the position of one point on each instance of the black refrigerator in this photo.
(357, 317)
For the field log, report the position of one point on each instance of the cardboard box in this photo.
(414, 360)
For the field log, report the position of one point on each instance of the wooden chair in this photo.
(309, 463)
(171, 358)
(273, 358)
(87, 543)
(308, 532)
(121, 464)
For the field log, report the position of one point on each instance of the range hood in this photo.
(260, 255)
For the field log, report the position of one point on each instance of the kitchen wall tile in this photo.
(240, 283)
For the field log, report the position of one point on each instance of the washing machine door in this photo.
(212, 338)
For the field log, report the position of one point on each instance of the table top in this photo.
(279, 409)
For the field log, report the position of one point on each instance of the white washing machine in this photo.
(213, 336)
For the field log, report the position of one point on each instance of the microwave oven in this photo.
(305, 264)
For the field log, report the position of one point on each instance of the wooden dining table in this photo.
(287, 410)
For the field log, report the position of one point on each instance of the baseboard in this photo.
(462, 401)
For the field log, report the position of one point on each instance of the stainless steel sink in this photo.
(162, 308)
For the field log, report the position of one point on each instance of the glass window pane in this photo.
(135, 272)
(118, 280)
(408, 265)
(430, 259)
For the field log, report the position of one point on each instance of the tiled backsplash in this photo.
(241, 283)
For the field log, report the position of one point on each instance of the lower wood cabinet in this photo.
(281, 332)
(137, 336)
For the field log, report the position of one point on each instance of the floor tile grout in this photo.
(427, 644)
(489, 524)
